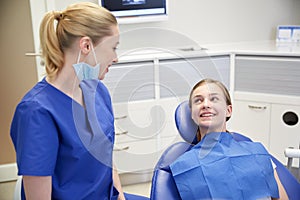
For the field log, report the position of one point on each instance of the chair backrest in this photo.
(185, 125)
(163, 185)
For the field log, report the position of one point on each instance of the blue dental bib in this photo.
(219, 167)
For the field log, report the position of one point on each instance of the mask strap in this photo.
(78, 58)
(94, 54)
(95, 57)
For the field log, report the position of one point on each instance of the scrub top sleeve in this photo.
(35, 137)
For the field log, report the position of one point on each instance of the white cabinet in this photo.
(132, 88)
(129, 82)
(178, 76)
(265, 89)
(145, 95)
(251, 119)
(270, 75)
(285, 129)
(265, 119)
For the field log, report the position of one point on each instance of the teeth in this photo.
(207, 115)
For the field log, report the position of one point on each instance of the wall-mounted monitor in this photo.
(137, 11)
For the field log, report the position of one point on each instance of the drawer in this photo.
(135, 156)
(140, 155)
(140, 120)
(145, 119)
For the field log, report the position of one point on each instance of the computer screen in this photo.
(137, 10)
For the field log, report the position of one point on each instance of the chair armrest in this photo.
(289, 182)
(292, 153)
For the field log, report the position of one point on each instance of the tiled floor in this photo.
(7, 189)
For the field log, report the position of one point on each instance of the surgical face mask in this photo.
(85, 71)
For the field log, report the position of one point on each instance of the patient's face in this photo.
(209, 108)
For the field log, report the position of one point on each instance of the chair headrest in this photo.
(185, 124)
(187, 127)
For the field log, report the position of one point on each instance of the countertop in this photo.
(258, 48)
(269, 48)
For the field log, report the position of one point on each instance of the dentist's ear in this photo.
(85, 45)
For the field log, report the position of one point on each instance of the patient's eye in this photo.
(214, 98)
(197, 100)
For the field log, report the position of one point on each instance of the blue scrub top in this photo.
(55, 136)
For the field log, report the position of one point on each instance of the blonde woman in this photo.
(63, 129)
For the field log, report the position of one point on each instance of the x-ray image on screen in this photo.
(133, 2)
(128, 11)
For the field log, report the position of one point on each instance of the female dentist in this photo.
(63, 128)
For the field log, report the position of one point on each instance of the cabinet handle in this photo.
(33, 54)
(121, 149)
(121, 117)
(122, 133)
(42, 62)
(257, 107)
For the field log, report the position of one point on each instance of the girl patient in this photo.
(218, 167)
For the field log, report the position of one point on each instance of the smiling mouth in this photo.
(207, 115)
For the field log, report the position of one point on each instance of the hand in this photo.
(121, 196)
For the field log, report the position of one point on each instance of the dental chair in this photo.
(290, 154)
(163, 184)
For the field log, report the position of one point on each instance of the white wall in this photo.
(210, 22)
(224, 21)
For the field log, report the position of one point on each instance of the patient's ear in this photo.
(229, 111)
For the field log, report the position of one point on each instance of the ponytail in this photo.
(51, 50)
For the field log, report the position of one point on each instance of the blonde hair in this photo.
(219, 84)
(59, 30)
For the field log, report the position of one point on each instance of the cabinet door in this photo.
(178, 76)
(285, 130)
(131, 81)
(251, 119)
(271, 75)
